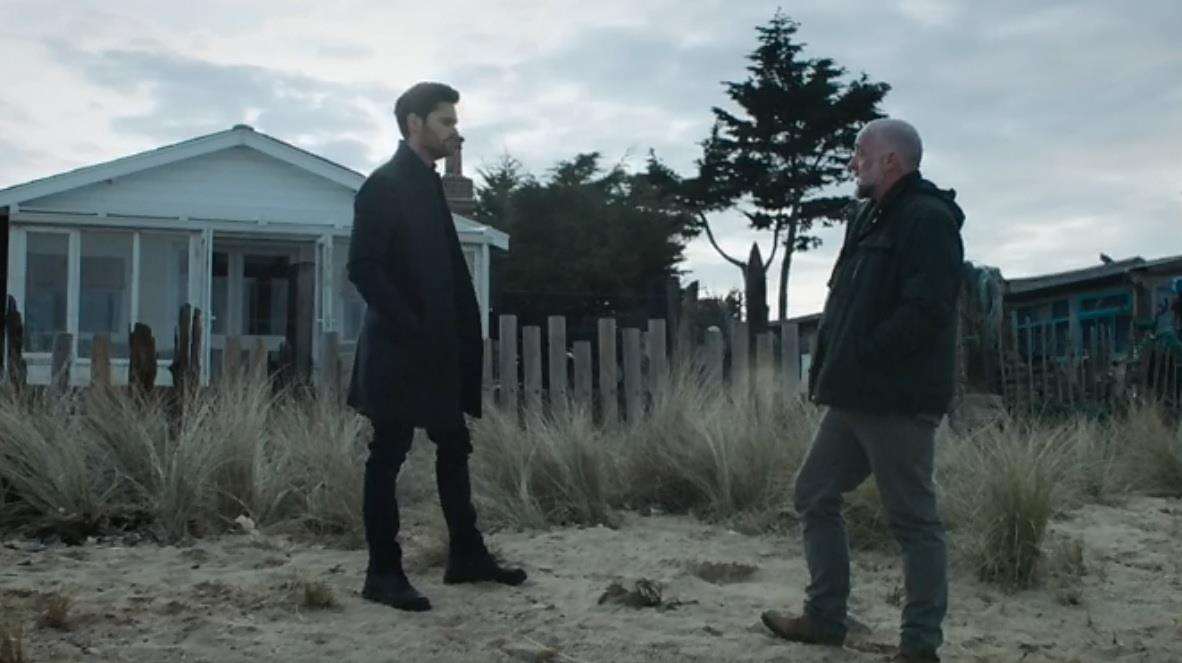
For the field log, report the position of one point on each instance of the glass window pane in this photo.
(350, 307)
(164, 287)
(265, 287)
(104, 304)
(47, 269)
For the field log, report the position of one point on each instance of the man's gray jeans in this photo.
(899, 450)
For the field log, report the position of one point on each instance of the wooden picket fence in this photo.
(238, 357)
(620, 374)
(1039, 373)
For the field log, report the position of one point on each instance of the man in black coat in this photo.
(418, 362)
(885, 367)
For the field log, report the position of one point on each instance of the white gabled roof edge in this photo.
(240, 134)
(470, 227)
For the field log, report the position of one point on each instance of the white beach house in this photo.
(243, 226)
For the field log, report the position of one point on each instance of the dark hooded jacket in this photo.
(887, 338)
(418, 358)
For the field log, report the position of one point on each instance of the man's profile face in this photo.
(866, 165)
(437, 134)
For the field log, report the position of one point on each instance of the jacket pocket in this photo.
(874, 256)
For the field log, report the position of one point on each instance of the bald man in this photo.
(884, 367)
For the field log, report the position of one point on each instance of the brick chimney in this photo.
(458, 189)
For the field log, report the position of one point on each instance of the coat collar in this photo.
(903, 184)
(409, 159)
(874, 212)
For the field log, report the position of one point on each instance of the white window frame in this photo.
(18, 269)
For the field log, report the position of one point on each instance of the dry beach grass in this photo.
(695, 496)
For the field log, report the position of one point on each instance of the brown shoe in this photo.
(799, 629)
(923, 656)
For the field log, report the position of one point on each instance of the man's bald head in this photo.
(899, 137)
(886, 150)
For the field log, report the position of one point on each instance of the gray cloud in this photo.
(192, 96)
(1056, 122)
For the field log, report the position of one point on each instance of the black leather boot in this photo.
(479, 566)
(394, 589)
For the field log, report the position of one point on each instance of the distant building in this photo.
(241, 225)
(1117, 299)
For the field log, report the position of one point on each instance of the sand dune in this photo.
(240, 598)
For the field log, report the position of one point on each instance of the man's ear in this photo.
(414, 123)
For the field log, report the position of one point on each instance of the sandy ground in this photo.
(238, 598)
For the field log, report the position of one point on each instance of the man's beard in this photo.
(865, 190)
(440, 149)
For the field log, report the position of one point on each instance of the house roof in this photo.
(1161, 265)
(1072, 277)
(238, 135)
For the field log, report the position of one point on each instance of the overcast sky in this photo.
(1060, 126)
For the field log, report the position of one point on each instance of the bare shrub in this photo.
(326, 446)
(1064, 569)
(250, 474)
(12, 643)
(553, 469)
(723, 573)
(55, 612)
(57, 473)
(318, 595)
(1151, 449)
(720, 452)
(1005, 483)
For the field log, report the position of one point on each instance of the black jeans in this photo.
(387, 451)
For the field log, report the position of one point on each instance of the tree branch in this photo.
(776, 239)
(714, 243)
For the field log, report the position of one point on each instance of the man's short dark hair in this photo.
(421, 99)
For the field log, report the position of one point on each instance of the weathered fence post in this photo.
(486, 374)
(531, 365)
(1046, 390)
(258, 362)
(182, 351)
(141, 372)
(195, 347)
(740, 358)
(231, 358)
(765, 363)
(100, 361)
(608, 377)
(62, 358)
(556, 344)
(583, 373)
(15, 338)
(658, 359)
(301, 321)
(633, 377)
(508, 362)
(790, 357)
(715, 355)
(330, 366)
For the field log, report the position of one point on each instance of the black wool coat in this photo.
(418, 358)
